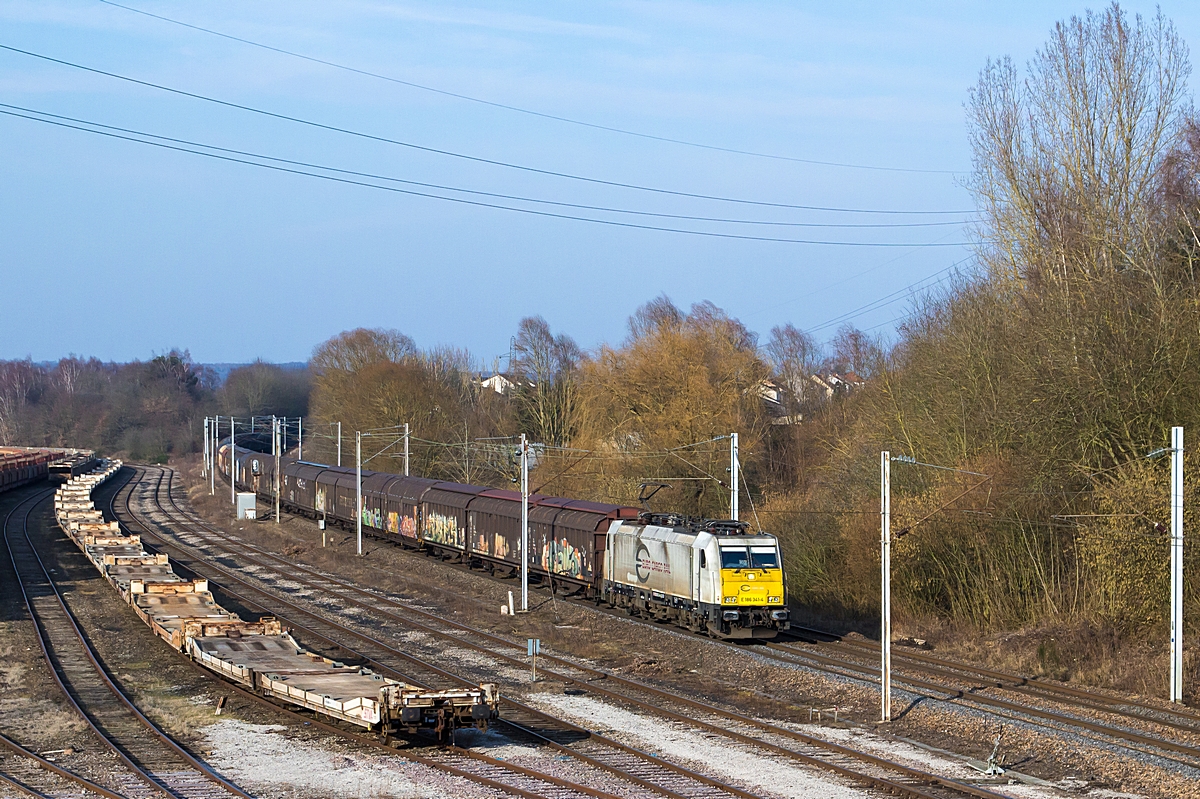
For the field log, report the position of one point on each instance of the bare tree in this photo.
(356, 349)
(1067, 160)
(793, 356)
(67, 373)
(546, 393)
(855, 351)
(659, 313)
(19, 381)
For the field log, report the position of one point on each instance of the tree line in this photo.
(142, 410)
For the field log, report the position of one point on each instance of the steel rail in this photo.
(537, 715)
(1031, 686)
(89, 653)
(239, 549)
(42, 643)
(53, 768)
(948, 693)
(427, 761)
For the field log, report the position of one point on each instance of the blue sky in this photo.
(120, 250)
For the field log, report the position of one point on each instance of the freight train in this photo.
(712, 577)
(21, 465)
(259, 655)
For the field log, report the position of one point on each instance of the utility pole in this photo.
(204, 468)
(278, 458)
(212, 449)
(300, 438)
(285, 432)
(339, 443)
(885, 556)
(358, 486)
(524, 524)
(733, 470)
(1176, 564)
(232, 466)
(406, 473)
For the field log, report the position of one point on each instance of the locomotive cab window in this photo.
(764, 557)
(703, 560)
(735, 558)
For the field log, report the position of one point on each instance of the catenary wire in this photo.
(464, 201)
(841, 281)
(464, 156)
(530, 112)
(888, 299)
(495, 195)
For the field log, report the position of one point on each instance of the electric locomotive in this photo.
(716, 577)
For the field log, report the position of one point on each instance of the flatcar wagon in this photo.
(71, 464)
(258, 654)
(570, 540)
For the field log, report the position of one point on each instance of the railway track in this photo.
(1132, 708)
(1060, 708)
(857, 767)
(152, 764)
(28, 773)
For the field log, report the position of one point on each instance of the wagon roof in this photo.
(410, 488)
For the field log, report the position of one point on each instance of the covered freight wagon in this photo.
(402, 506)
(444, 515)
(299, 484)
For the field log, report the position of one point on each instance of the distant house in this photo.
(774, 397)
(501, 382)
(498, 383)
(769, 392)
(832, 383)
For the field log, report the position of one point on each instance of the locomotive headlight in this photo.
(772, 600)
(730, 600)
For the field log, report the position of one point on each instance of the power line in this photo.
(887, 299)
(462, 200)
(530, 112)
(463, 156)
(580, 206)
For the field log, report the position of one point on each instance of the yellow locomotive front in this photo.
(752, 596)
(710, 576)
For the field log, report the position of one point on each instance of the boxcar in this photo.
(444, 515)
(402, 506)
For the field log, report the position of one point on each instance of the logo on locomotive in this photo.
(644, 565)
